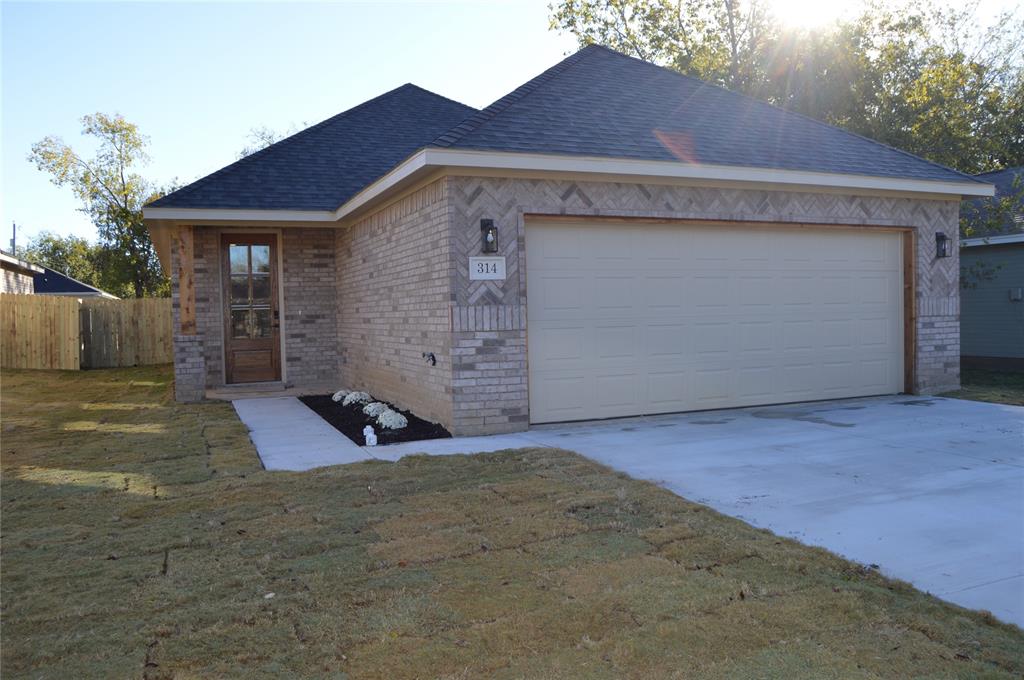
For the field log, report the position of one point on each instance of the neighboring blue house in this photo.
(52, 282)
(992, 301)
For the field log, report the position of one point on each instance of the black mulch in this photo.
(350, 421)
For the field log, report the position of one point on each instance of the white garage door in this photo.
(627, 318)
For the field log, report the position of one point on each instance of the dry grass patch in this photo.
(993, 386)
(142, 539)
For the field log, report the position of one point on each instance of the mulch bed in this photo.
(350, 421)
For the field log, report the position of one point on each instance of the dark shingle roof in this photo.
(1009, 182)
(596, 102)
(53, 282)
(324, 165)
(599, 102)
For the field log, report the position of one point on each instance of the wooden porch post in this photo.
(186, 280)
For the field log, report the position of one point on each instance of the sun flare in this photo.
(810, 13)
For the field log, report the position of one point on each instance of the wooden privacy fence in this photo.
(56, 332)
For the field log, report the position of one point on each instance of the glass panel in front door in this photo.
(250, 291)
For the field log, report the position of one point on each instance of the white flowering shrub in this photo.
(374, 409)
(392, 420)
(355, 398)
(339, 395)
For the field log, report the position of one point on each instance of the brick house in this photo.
(18, 275)
(609, 239)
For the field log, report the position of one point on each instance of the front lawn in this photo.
(142, 539)
(993, 386)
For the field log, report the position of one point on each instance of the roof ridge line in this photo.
(518, 94)
(72, 278)
(202, 181)
(793, 113)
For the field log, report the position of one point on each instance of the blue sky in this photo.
(196, 77)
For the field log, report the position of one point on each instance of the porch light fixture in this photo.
(942, 245)
(488, 236)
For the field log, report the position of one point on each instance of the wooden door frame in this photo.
(909, 263)
(278, 264)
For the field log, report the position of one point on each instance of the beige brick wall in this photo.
(491, 395)
(308, 276)
(310, 307)
(394, 298)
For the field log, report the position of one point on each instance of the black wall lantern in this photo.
(942, 245)
(488, 236)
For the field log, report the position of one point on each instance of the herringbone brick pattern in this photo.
(509, 202)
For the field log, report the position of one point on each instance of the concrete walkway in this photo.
(290, 436)
(929, 489)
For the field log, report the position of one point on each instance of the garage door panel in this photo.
(663, 318)
(558, 346)
(615, 342)
(875, 291)
(755, 382)
(798, 335)
(663, 293)
(838, 377)
(711, 339)
(559, 296)
(610, 248)
(668, 389)
(795, 290)
(613, 295)
(558, 396)
(667, 341)
(875, 331)
(836, 290)
(798, 381)
(709, 293)
(873, 374)
(712, 387)
(615, 391)
(837, 334)
(756, 290)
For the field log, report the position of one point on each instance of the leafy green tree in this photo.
(926, 78)
(71, 255)
(1003, 214)
(982, 218)
(716, 40)
(112, 193)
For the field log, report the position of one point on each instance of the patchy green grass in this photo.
(993, 386)
(142, 539)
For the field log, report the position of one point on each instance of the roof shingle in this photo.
(595, 102)
(323, 166)
(599, 102)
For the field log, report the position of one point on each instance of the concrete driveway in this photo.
(929, 489)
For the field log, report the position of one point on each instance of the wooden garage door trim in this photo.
(909, 262)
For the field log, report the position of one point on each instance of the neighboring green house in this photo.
(992, 301)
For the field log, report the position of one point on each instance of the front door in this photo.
(251, 313)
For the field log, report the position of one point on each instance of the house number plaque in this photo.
(487, 269)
